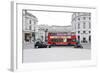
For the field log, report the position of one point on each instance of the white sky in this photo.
(52, 18)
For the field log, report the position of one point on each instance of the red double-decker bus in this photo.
(61, 39)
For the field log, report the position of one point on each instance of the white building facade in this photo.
(41, 32)
(81, 25)
(29, 24)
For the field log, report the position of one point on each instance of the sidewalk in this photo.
(55, 54)
(28, 45)
(86, 45)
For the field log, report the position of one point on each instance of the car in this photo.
(40, 44)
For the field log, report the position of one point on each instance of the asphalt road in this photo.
(60, 53)
(31, 46)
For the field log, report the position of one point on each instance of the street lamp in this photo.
(34, 31)
(46, 35)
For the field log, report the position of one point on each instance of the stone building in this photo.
(55, 28)
(29, 24)
(81, 25)
(41, 32)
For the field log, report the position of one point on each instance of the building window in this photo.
(75, 26)
(78, 38)
(34, 22)
(25, 28)
(84, 31)
(89, 25)
(84, 40)
(84, 18)
(78, 18)
(78, 25)
(89, 31)
(78, 31)
(89, 14)
(27, 37)
(29, 27)
(89, 18)
(89, 38)
(30, 22)
(84, 25)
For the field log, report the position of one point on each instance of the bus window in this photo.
(57, 40)
(65, 40)
(69, 40)
(74, 40)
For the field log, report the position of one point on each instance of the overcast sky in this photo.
(52, 18)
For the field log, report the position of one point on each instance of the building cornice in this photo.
(80, 16)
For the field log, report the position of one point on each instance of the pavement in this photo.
(58, 53)
(31, 46)
(28, 45)
(86, 46)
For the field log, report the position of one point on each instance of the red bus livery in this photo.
(61, 39)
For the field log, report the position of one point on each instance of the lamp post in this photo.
(46, 35)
